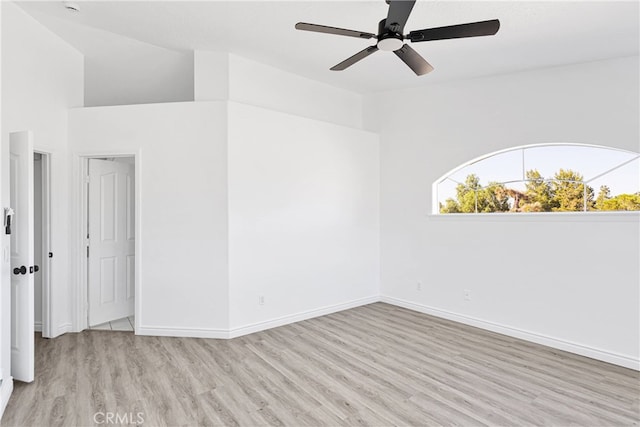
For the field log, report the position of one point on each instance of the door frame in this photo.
(47, 321)
(81, 167)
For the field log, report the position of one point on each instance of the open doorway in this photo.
(42, 253)
(110, 243)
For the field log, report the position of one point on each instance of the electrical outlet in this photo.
(419, 286)
(467, 294)
(261, 300)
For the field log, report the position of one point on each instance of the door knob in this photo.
(36, 268)
(21, 270)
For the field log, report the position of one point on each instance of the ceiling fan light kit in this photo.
(390, 44)
(71, 6)
(391, 39)
(388, 40)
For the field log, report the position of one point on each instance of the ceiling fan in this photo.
(390, 36)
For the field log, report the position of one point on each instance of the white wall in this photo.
(585, 298)
(258, 84)
(303, 217)
(210, 76)
(119, 70)
(137, 73)
(181, 176)
(42, 77)
(202, 307)
(303, 193)
(224, 76)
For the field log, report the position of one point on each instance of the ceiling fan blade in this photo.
(398, 14)
(473, 29)
(355, 58)
(333, 30)
(413, 59)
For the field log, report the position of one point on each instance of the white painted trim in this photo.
(63, 329)
(591, 216)
(292, 318)
(37, 326)
(254, 327)
(160, 331)
(6, 388)
(137, 287)
(77, 269)
(583, 350)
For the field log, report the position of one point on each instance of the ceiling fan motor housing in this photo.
(387, 39)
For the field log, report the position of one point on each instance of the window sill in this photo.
(627, 216)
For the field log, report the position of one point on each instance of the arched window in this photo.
(560, 177)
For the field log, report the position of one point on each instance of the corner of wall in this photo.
(298, 317)
(210, 76)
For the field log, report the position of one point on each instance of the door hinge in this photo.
(87, 251)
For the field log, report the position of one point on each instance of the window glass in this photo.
(543, 178)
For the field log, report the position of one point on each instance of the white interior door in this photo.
(22, 268)
(111, 240)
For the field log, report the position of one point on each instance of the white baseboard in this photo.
(5, 393)
(251, 328)
(560, 344)
(160, 331)
(583, 350)
(297, 317)
(37, 326)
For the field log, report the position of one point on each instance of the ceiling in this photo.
(532, 34)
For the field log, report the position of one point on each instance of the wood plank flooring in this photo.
(376, 365)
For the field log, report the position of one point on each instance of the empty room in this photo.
(320, 213)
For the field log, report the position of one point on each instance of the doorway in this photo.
(110, 243)
(42, 253)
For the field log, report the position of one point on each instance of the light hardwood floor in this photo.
(373, 365)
